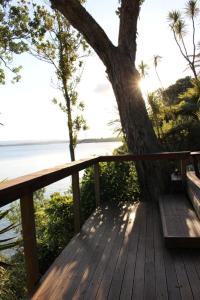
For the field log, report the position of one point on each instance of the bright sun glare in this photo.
(144, 86)
(147, 86)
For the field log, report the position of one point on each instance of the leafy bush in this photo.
(118, 182)
(13, 279)
(55, 216)
(54, 227)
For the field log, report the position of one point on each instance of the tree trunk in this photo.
(135, 122)
(120, 65)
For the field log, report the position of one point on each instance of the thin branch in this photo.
(85, 24)
(5, 64)
(181, 50)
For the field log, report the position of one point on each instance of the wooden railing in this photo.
(196, 158)
(23, 188)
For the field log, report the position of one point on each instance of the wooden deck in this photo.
(120, 254)
(181, 226)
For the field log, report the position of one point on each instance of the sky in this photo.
(27, 111)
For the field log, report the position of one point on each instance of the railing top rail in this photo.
(196, 153)
(151, 156)
(14, 189)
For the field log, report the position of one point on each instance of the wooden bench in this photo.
(180, 215)
(193, 191)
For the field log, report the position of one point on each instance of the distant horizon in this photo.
(51, 141)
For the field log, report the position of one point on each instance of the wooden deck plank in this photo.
(84, 261)
(121, 255)
(90, 268)
(172, 281)
(118, 255)
(93, 287)
(184, 285)
(160, 273)
(52, 278)
(115, 286)
(74, 275)
(192, 274)
(128, 276)
(181, 226)
(138, 286)
(149, 271)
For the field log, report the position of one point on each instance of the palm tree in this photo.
(156, 61)
(143, 68)
(178, 27)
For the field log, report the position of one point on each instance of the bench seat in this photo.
(181, 225)
(193, 191)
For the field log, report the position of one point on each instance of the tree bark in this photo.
(135, 122)
(120, 67)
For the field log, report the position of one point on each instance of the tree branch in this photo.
(129, 14)
(86, 25)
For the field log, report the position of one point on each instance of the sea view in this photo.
(18, 160)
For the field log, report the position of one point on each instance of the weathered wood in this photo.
(192, 274)
(106, 256)
(150, 157)
(12, 190)
(139, 280)
(76, 202)
(193, 191)
(182, 277)
(73, 252)
(149, 287)
(196, 165)
(160, 273)
(181, 227)
(129, 273)
(118, 255)
(29, 240)
(97, 184)
(183, 171)
(100, 259)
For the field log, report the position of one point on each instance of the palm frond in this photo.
(9, 245)
(143, 68)
(180, 28)
(8, 228)
(173, 17)
(156, 60)
(192, 9)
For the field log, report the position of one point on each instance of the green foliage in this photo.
(175, 113)
(13, 34)
(179, 26)
(179, 87)
(64, 48)
(118, 183)
(13, 279)
(6, 243)
(55, 228)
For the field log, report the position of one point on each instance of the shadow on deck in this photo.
(120, 254)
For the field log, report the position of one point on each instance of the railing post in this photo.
(97, 183)
(29, 240)
(76, 202)
(183, 171)
(196, 169)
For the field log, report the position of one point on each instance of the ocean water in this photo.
(20, 160)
